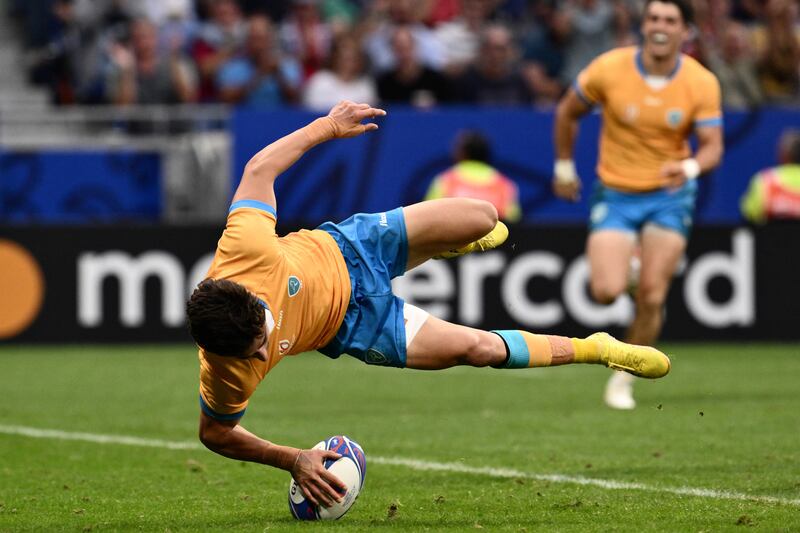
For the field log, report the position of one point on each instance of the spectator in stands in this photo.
(160, 12)
(57, 65)
(543, 51)
(262, 77)
(460, 37)
(780, 42)
(473, 177)
(345, 79)
(383, 18)
(747, 11)
(736, 69)
(774, 193)
(438, 12)
(410, 81)
(305, 37)
(219, 40)
(591, 29)
(341, 15)
(139, 74)
(495, 78)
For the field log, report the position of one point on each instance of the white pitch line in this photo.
(417, 464)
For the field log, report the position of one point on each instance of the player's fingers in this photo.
(335, 482)
(370, 112)
(370, 127)
(308, 494)
(325, 494)
(331, 492)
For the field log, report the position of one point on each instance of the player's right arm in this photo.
(231, 440)
(566, 183)
(344, 120)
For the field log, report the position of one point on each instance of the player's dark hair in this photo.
(472, 145)
(224, 317)
(791, 140)
(684, 6)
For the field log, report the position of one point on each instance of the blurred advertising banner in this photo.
(107, 284)
(67, 186)
(396, 164)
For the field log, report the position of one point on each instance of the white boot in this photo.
(619, 391)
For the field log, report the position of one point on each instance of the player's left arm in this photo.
(708, 130)
(709, 147)
(260, 173)
(230, 439)
(709, 152)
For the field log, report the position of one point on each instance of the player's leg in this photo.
(662, 250)
(438, 344)
(609, 252)
(437, 226)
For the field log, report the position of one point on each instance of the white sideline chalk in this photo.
(418, 464)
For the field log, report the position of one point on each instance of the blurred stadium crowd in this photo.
(269, 53)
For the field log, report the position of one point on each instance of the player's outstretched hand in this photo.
(319, 486)
(347, 117)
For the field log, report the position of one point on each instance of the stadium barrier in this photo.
(183, 176)
(114, 164)
(395, 165)
(115, 284)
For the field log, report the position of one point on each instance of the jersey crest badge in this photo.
(294, 286)
(631, 113)
(674, 117)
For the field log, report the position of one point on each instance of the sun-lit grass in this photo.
(726, 419)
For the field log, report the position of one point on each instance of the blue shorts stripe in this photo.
(219, 416)
(255, 204)
(518, 355)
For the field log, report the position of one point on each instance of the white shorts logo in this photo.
(599, 213)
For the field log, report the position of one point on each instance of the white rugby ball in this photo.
(350, 469)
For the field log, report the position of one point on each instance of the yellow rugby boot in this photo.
(642, 361)
(493, 239)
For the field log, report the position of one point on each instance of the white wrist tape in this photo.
(691, 168)
(564, 171)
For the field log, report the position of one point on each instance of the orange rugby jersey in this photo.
(302, 278)
(644, 127)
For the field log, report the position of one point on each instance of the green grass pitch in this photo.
(712, 447)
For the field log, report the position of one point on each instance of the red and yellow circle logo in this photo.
(21, 287)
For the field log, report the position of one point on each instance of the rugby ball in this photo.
(351, 468)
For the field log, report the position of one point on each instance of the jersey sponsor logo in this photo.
(374, 357)
(383, 222)
(294, 286)
(674, 117)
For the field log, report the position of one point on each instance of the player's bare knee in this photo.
(604, 293)
(477, 351)
(483, 216)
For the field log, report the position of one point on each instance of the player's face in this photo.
(663, 29)
(258, 348)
